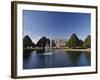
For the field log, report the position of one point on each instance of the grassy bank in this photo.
(65, 49)
(32, 48)
(69, 49)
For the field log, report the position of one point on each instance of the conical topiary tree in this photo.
(27, 42)
(42, 42)
(81, 43)
(53, 43)
(87, 42)
(73, 41)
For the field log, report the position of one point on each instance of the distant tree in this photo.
(81, 43)
(48, 41)
(53, 43)
(73, 41)
(27, 42)
(42, 42)
(87, 42)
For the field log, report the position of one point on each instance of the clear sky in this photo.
(55, 24)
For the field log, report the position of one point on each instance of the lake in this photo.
(58, 58)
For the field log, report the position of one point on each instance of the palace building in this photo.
(60, 43)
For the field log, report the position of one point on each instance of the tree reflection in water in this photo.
(79, 58)
(27, 53)
(36, 59)
(74, 57)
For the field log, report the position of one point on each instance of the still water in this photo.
(58, 58)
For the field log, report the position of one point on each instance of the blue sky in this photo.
(55, 24)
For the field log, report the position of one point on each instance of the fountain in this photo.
(48, 48)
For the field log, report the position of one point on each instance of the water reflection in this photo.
(40, 51)
(74, 57)
(84, 59)
(27, 53)
(59, 58)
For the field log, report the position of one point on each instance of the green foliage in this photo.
(73, 41)
(53, 43)
(42, 42)
(81, 43)
(87, 42)
(27, 42)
